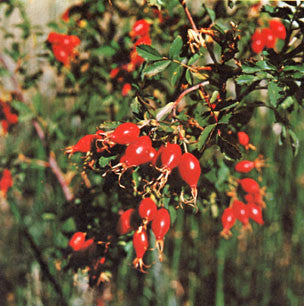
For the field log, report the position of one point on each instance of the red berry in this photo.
(140, 245)
(161, 223)
(249, 185)
(145, 40)
(147, 209)
(255, 213)
(125, 133)
(157, 155)
(243, 138)
(160, 226)
(6, 181)
(77, 241)
(136, 60)
(171, 156)
(257, 46)
(255, 198)
(140, 28)
(87, 244)
(152, 153)
(114, 72)
(228, 219)
(124, 224)
(278, 28)
(244, 166)
(138, 152)
(240, 211)
(61, 54)
(269, 36)
(83, 145)
(258, 41)
(189, 169)
(125, 89)
(54, 38)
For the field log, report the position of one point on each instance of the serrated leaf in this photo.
(176, 47)
(156, 68)
(148, 53)
(273, 93)
(204, 135)
(104, 161)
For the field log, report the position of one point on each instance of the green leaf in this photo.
(273, 93)
(288, 102)
(69, 225)
(225, 118)
(210, 12)
(249, 69)
(104, 161)
(265, 66)
(295, 143)
(204, 135)
(245, 79)
(176, 47)
(175, 72)
(173, 214)
(106, 51)
(148, 53)
(189, 77)
(294, 68)
(156, 68)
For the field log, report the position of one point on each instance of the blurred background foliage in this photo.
(57, 105)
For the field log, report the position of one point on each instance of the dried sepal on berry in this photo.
(140, 245)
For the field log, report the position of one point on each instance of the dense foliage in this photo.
(150, 153)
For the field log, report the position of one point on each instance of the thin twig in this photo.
(193, 25)
(185, 92)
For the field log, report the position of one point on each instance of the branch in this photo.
(185, 92)
(193, 25)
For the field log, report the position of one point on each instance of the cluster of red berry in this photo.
(140, 151)
(250, 191)
(267, 37)
(140, 32)
(160, 224)
(63, 46)
(6, 182)
(8, 118)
